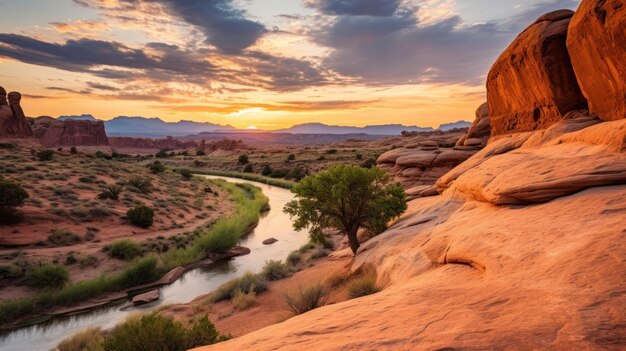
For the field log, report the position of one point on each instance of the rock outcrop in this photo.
(596, 42)
(55, 133)
(532, 85)
(13, 122)
(480, 130)
(168, 143)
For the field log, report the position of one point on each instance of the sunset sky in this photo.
(263, 63)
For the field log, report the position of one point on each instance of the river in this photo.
(192, 284)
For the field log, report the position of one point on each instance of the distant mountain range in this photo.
(156, 127)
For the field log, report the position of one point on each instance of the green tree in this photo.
(346, 198)
(243, 159)
(248, 168)
(12, 195)
(267, 170)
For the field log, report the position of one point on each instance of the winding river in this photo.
(192, 284)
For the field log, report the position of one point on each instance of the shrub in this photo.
(186, 173)
(363, 285)
(294, 258)
(243, 159)
(162, 153)
(63, 237)
(291, 157)
(156, 167)
(100, 154)
(142, 184)
(276, 270)
(47, 276)
(87, 340)
(111, 191)
(200, 153)
(123, 249)
(306, 299)
(279, 173)
(369, 163)
(321, 158)
(335, 279)
(359, 156)
(45, 155)
(141, 216)
(242, 300)
(12, 195)
(73, 150)
(247, 282)
(151, 332)
(330, 151)
(297, 173)
(266, 171)
(203, 332)
(319, 253)
(248, 168)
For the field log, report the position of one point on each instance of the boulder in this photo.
(480, 130)
(532, 84)
(269, 241)
(54, 133)
(13, 123)
(146, 297)
(596, 42)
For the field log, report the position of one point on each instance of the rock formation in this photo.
(55, 133)
(532, 84)
(596, 42)
(480, 130)
(201, 147)
(13, 123)
(168, 143)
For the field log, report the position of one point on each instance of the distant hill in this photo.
(320, 128)
(459, 124)
(77, 118)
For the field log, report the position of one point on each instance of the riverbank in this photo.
(213, 244)
(282, 183)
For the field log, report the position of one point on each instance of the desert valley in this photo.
(503, 232)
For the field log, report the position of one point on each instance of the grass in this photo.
(365, 284)
(123, 249)
(87, 340)
(63, 237)
(294, 258)
(276, 270)
(242, 300)
(306, 299)
(249, 176)
(244, 284)
(48, 276)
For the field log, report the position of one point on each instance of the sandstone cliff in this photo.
(13, 123)
(168, 143)
(55, 133)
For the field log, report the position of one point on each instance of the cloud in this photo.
(355, 7)
(99, 86)
(287, 106)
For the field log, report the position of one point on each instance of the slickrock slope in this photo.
(53, 133)
(532, 84)
(596, 42)
(473, 275)
(13, 123)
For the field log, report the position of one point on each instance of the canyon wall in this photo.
(13, 123)
(55, 133)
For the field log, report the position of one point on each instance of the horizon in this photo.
(251, 64)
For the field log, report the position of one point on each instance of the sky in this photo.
(264, 64)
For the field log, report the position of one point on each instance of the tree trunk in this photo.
(353, 240)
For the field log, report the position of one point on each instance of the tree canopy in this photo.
(346, 198)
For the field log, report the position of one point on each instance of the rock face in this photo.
(480, 130)
(532, 84)
(54, 133)
(596, 42)
(13, 123)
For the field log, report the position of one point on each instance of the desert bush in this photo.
(318, 253)
(200, 153)
(363, 285)
(242, 300)
(90, 339)
(47, 276)
(141, 216)
(321, 158)
(99, 212)
(369, 163)
(140, 184)
(156, 167)
(248, 168)
(111, 191)
(330, 151)
(279, 173)
(296, 173)
(45, 155)
(88, 261)
(266, 171)
(123, 249)
(291, 157)
(103, 155)
(335, 279)
(294, 258)
(185, 173)
(63, 237)
(243, 159)
(359, 156)
(10, 272)
(162, 153)
(73, 150)
(12, 195)
(276, 270)
(305, 299)
(247, 282)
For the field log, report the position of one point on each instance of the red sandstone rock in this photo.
(54, 133)
(596, 42)
(480, 130)
(168, 143)
(532, 84)
(13, 123)
(269, 241)
(146, 297)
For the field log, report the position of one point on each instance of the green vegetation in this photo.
(186, 173)
(243, 159)
(111, 191)
(90, 339)
(276, 270)
(45, 155)
(141, 216)
(247, 282)
(140, 184)
(266, 171)
(248, 168)
(11, 196)
(363, 285)
(123, 249)
(156, 167)
(294, 258)
(63, 237)
(161, 154)
(73, 150)
(249, 176)
(306, 299)
(48, 276)
(346, 198)
(157, 332)
(291, 157)
(242, 300)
